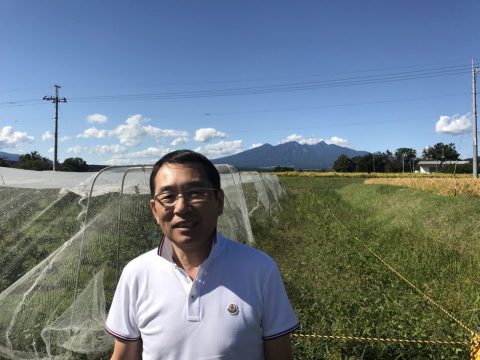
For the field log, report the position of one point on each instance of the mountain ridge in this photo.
(9, 156)
(320, 156)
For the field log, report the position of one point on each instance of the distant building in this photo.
(431, 166)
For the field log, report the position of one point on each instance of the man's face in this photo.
(188, 226)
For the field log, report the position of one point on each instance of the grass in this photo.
(337, 287)
(319, 236)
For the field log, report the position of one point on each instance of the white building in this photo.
(430, 166)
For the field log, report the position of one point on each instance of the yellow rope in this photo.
(475, 347)
(391, 268)
(389, 340)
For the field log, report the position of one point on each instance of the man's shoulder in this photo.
(247, 254)
(142, 261)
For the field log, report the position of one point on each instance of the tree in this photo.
(376, 162)
(283, 168)
(441, 152)
(406, 157)
(73, 164)
(363, 163)
(343, 164)
(3, 163)
(386, 162)
(457, 169)
(34, 161)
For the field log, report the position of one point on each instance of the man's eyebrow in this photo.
(187, 186)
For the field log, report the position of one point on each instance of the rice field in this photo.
(332, 174)
(442, 185)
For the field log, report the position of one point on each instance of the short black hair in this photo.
(186, 157)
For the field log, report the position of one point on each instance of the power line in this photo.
(336, 105)
(19, 103)
(274, 78)
(264, 89)
(288, 87)
(360, 123)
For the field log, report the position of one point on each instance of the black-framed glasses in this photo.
(168, 199)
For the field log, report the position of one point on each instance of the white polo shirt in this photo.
(236, 301)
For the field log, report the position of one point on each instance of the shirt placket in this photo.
(193, 290)
(194, 297)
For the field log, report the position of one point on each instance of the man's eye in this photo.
(168, 197)
(196, 194)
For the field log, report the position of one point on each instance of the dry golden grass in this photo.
(443, 186)
(368, 175)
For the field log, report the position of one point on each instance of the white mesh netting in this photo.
(65, 237)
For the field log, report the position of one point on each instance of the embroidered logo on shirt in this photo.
(232, 309)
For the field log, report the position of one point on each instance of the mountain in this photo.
(9, 157)
(310, 157)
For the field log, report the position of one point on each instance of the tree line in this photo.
(402, 160)
(34, 161)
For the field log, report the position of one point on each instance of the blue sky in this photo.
(142, 78)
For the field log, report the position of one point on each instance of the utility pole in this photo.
(55, 99)
(475, 71)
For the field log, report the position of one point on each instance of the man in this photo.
(199, 295)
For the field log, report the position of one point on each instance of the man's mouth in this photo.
(184, 225)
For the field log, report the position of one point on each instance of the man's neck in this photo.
(191, 259)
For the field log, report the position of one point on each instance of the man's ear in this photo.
(221, 200)
(154, 209)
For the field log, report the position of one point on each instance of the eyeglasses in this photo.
(193, 196)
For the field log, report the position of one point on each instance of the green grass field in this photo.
(324, 239)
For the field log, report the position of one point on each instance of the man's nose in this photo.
(182, 204)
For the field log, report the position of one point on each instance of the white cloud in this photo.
(120, 161)
(134, 131)
(149, 155)
(313, 140)
(179, 141)
(456, 124)
(301, 140)
(93, 132)
(156, 152)
(110, 149)
(255, 145)
(337, 141)
(310, 141)
(77, 149)
(207, 134)
(47, 136)
(221, 148)
(160, 133)
(10, 138)
(293, 137)
(51, 150)
(97, 118)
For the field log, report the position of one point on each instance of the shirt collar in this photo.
(165, 248)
